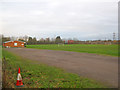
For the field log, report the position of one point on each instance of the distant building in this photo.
(70, 41)
(10, 44)
(65, 42)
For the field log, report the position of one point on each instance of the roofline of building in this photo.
(13, 41)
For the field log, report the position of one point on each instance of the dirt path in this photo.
(98, 67)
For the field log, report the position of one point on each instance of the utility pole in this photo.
(114, 36)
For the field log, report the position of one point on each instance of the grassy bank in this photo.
(111, 50)
(0, 51)
(42, 76)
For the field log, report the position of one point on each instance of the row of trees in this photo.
(44, 41)
(33, 40)
(30, 40)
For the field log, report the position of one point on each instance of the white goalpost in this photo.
(60, 44)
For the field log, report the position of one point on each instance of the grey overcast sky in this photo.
(82, 19)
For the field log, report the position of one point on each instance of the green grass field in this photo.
(42, 76)
(111, 50)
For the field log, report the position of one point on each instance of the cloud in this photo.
(37, 12)
(68, 18)
(60, 0)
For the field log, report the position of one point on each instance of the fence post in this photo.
(4, 73)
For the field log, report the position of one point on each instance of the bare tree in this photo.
(26, 38)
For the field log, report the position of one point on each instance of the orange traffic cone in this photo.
(19, 79)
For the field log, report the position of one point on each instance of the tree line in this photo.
(57, 40)
(33, 40)
(44, 41)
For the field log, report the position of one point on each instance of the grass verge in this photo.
(42, 76)
(111, 50)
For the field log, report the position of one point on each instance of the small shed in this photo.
(10, 44)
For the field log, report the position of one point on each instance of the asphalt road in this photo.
(98, 67)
